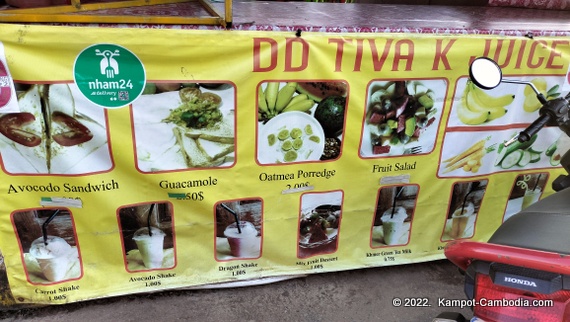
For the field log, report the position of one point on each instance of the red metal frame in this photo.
(462, 253)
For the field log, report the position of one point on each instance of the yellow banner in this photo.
(146, 159)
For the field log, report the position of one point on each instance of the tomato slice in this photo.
(75, 133)
(11, 126)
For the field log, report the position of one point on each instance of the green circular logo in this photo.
(108, 75)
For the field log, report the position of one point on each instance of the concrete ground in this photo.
(357, 295)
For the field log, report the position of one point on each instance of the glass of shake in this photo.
(244, 244)
(459, 220)
(150, 246)
(393, 225)
(530, 197)
(54, 257)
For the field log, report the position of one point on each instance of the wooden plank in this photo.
(215, 12)
(86, 13)
(76, 6)
(78, 18)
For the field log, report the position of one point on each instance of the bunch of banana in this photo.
(274, 100)
(478, 107)
(531, 102)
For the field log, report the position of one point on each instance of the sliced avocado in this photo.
(550, 150)
(555, 159)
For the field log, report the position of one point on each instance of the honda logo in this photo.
(519, 281)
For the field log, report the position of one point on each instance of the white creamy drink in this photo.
(459, 220)
(393, 225)
(150, 247)
(54, 258)
(244, 244)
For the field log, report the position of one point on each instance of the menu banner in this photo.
(139, 160)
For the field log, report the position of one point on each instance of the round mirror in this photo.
(485, 73)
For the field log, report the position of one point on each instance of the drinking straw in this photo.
(473, 186)
(148, 219)
(233, 213)
(400, 189)
(536, 183)
(44, 226)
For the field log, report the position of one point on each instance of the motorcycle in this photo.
(523, 272)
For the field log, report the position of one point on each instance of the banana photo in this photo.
(300, 121)
(503, 105)
(486, 119)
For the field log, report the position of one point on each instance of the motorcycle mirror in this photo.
(485, 73)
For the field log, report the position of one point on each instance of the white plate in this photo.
(426, 140)
(156, 146)
(310, 150)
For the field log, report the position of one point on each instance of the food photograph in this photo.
(402, 117)
(527, 189)
(393, 217)
(180, 126)
(239, 229)
(503, 105)
(485, 152)
(49, 245)
(147, 236)
(57, 131)
(300, 121)
(466, 200)
(319, 223)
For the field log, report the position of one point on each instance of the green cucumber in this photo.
(534, 157)
(529, 143)
(392, 123)
(502, 145)
(426, 101)
(410, 126)
(525, 159)
(505, 151)
(532, 150)
(501, 156)
(421, 112)
(512, 159)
